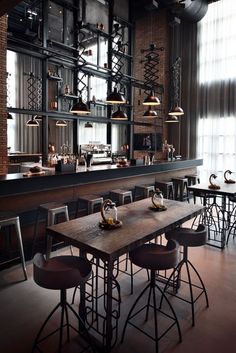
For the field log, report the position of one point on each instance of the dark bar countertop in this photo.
(15, 184)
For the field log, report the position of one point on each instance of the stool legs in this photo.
(177, 270)
(152, 287)
(64, 317)
(15, 221)
(18, 233)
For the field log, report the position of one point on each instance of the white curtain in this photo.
(217, 89)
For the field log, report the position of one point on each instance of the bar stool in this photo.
(121, 195)
(51, 210)
(61, 273)
(91, 202)
(193, 179)
(154, 257)
(188, 237)
(167, 188)
(144, 191)
(180, 188)
(8, 219)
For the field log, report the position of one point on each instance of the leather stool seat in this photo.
(8, 219)
(61, 273)
(188, 237)
(154, 257)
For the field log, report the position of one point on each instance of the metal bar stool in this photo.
(166, 188)
(144, 191)
(8, 219)
(50, 210)
(61, 273)
(154, 257)
(91, 202)
(188, 237)
(180, 188)
(121, 195)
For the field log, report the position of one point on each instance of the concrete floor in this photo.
(24, 306)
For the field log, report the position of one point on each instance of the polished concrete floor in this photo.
(24, 305)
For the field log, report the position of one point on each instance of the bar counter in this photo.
(22, 195)
(15, 184)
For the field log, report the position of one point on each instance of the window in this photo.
(217, 84)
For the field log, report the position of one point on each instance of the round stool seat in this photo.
(61, 272)
(155, 256)
(188, 236)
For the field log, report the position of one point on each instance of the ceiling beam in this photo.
(7, 5)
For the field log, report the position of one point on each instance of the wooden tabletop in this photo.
(225, 189)
(140, 224)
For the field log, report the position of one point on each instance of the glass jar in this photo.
(110, 212)
(157, 198)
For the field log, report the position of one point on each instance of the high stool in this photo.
(144, 191)
(188, 237)
(8, 219)
(121, 195)
(167, 188)
(154, 257)
(180, 188)
(61, 273)
(193, 179)
(51, 209)
(91, 202)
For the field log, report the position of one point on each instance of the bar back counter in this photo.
(23, 194)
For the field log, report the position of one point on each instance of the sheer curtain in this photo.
(217, 89)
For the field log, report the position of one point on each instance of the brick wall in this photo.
(3, 95)
(152, 29)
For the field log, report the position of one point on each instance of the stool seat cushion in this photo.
(61, 272)
(188, 236)
(155, 256)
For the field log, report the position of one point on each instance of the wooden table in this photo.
(140, 224)
(225, 191)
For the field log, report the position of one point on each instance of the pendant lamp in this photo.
(151, 100)
(32, 122)
(115, 97)
(172, 119)
(150, 113)
(176, 110)
(61, 123)
(88, 125)
(80, 108)
(119, 115)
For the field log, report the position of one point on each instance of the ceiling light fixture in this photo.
(88, 125)
(172, 119)
(62, 123)
(151, 100)
(80, 108)
(175, 83)
(119, 115)
(32, 122)
(150, 113)
(115, 97)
